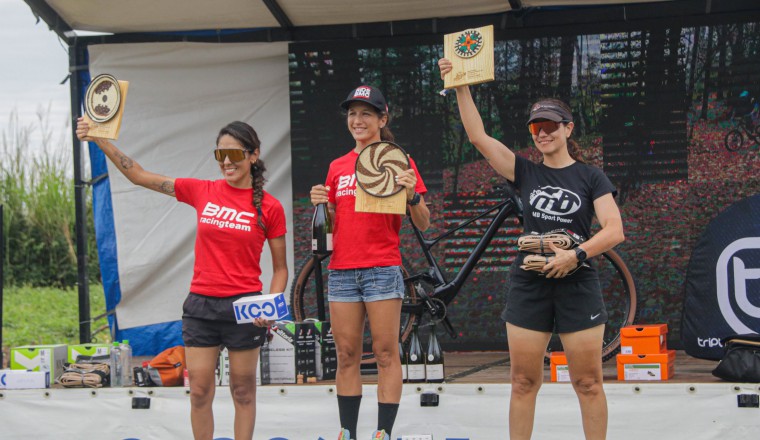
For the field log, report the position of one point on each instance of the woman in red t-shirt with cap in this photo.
(564, 296)
(365, 267)
(235, 217)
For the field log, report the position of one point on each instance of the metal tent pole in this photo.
(76, 59)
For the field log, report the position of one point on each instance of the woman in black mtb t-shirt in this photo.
(561, 192)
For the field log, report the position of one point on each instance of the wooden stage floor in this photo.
(493, 367)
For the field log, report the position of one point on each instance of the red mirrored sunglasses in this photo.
(234, 154)
(547, 126)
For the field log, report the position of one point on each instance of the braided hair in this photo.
(573, 149)
(246, 135)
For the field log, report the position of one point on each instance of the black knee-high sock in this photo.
(386, 416)
(348, 409)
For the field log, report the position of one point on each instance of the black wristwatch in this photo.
(415, 200)
(580, 254)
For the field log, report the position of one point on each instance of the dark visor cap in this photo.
(549, 111)
(367, 94)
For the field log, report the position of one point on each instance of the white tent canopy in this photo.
(116, 16)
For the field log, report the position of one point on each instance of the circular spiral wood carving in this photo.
(377, 167)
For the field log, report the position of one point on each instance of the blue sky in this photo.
(34, 62)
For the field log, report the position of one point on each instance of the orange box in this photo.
(559, 371)
(644, 339)
(653, 366)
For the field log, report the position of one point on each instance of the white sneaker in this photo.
(344, 434)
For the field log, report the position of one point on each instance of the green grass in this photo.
(45, 315)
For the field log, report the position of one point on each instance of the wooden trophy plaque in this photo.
(377, 166)
(471, 56)
(104, 106)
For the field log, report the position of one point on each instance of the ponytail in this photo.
(385, 133)
(574, 150)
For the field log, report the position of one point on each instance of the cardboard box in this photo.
(48, 358)
(278, 355)
(308, 349)
(88, 350)
(271, 307)
(559, 370)
(23, 379)
(329, 353)
(653, 366)
(644, 339)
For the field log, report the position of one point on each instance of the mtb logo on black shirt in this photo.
(554, 201)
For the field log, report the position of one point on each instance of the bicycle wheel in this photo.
(734, 140)
(304, 304)
(620, 300)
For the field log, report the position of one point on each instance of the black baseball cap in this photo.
(549, 110)
(367, 94)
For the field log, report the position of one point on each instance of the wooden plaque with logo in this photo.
(471, 56)
(104, 106)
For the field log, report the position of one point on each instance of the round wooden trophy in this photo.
(104, 105)
(377, 166)
(101, 101)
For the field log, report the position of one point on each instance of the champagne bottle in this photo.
(434, 361)
(321, 231)
(416, 364)
(402, 354)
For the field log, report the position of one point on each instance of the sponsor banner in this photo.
(723, 281)
(271, 307)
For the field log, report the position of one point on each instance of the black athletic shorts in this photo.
(208, 321)
(554, 305)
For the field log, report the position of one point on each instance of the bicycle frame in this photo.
(443, 290)
(433, 298)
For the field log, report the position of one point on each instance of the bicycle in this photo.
(734, 140)
(428, 293)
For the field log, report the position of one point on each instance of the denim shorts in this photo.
(365, 285)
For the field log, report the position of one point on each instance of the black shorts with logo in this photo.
(554, 305)
(209, 321)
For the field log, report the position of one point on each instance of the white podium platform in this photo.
(696, 411)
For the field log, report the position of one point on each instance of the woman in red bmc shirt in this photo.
(235, 216)
(365, 267)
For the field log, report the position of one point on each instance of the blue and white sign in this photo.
(271, 307)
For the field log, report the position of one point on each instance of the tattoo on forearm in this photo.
(166, 187)
(125, 161)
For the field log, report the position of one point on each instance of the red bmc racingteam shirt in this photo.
(228, 240)
(361, 239)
